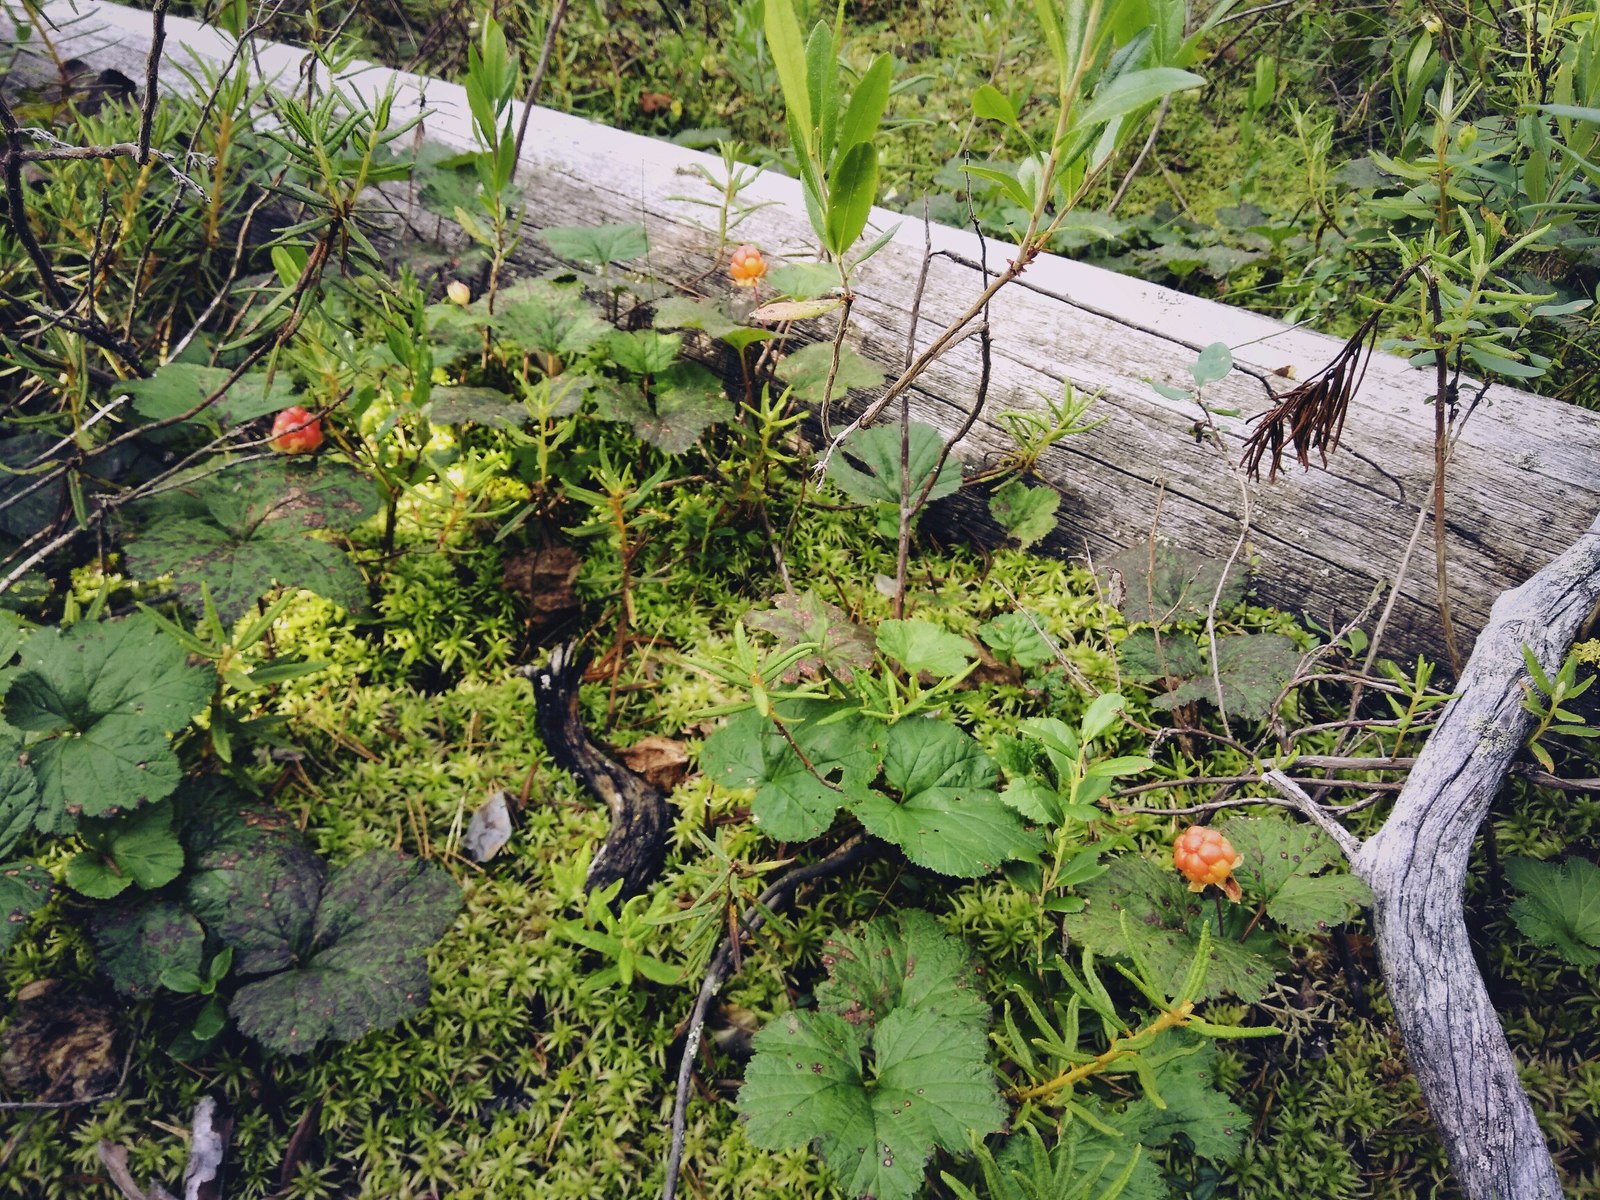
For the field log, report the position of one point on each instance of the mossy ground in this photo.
(520, 1079)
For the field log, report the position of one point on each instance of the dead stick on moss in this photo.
(721, 969)
(1416, 866)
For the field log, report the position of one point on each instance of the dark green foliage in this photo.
(177, 387)
(886, 1070)
(1025, 512)
(358, 954)
(598, 245)
(1162, 584)
(947, 815)
(806, 372)
(24, 889)
(1559, 907)
(843, 647)
(138, 942)
(19, 803)
(1163, 918)
(140, 848)
(104, 697)
(1253, 669)
(243, 531)
(1287, 868)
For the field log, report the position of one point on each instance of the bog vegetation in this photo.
(510, 729)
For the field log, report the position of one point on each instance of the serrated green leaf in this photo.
(923, 646)
(1253, 668)
(136, 943)
(948, 817)
(709, 316)
(1166, 919)
(1559, 907)
(1166, 584)
(598, 245)
(544, 319)
(643, 351)
(1026, 513)
(930, 1088)
(845, 646)
(805, 281)
(902, 961)
(20, 804)
(1196, 1107)
(1175, 656)
(876, 480)
(1282, 861)
(139, 848)
(792, 803)
(242, 531)
(105, 696)
(806, 372)
(24, 890)
(364, 967)
(489, 407)
(176, 387)
(1015, 638)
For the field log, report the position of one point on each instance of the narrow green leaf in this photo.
(1132, 91)
(854, 187)
(788, 47)
(865, 111)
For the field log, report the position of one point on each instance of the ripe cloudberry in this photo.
(458, 292)
(1204, 856)
(295, 431)
(747, 267)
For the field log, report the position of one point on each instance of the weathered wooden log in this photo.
(1523, 473)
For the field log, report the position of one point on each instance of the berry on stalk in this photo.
(1204, 857)
(295, 431)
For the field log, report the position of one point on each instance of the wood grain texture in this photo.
(1525, 473)
(1416, 865)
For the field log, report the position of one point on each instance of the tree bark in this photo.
(1416, 866)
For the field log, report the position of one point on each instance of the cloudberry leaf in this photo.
(1015, 638)
(597, 245)
(243, 531)
(1165, 918)
(19, 803)
(1283, 861)
(1026, 513)
(877, 1097)
(903, 961)
(792, 803)
(177, 387)
(1559, 907)
(806, 373)
(104, 697)
(795, 619)
(877, 479)
(1166, 584)
(24, 888)
(923, 646)
(948, 817)
(1253, 668)
(138, 848)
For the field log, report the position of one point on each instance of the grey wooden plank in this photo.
(1523, 484)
